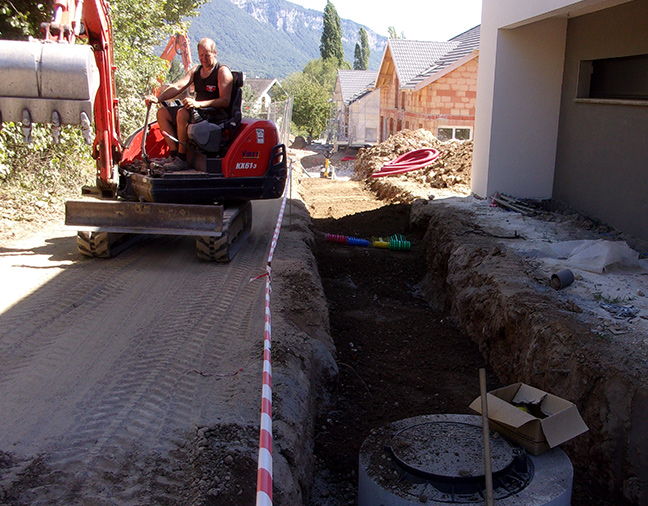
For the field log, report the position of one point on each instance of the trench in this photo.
(399, 354)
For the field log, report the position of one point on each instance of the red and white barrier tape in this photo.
(264, 468)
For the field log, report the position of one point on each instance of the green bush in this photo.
(42, 166)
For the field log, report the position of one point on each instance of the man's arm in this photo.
(173, 90)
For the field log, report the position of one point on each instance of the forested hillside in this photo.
(271, 38)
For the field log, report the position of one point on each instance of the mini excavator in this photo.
(56, 81)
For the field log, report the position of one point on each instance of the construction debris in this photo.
(512, 204)
(451, 169)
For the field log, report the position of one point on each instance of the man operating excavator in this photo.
(213, 83)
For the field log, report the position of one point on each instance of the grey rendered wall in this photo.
(602, 152)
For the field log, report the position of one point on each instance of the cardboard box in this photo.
(534, 419)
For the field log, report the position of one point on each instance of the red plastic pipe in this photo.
(413, 160)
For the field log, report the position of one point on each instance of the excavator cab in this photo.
(237, 159)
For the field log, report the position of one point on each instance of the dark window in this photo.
(462, 134)
(619, 78)
(456, 133)
(444, 134)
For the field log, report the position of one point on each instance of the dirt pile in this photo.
(451, 169)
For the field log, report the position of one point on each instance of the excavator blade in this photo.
(39, 79)
(144, 217)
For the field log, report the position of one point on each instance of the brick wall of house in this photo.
(448, 101)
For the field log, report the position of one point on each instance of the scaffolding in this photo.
(364, 120)
(358, 123)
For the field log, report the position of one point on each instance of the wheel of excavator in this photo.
(238, 223)
(102, 244)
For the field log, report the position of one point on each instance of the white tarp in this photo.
(594, 256)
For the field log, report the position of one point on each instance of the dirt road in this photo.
(111, 370)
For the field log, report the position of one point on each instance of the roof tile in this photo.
(355, 83)
(416, 60)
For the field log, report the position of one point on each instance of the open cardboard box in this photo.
(544, 422)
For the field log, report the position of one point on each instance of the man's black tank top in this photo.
(206, 89)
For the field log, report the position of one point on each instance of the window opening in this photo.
(448, 133)
(624, 78)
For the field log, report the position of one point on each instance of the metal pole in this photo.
(486, 431)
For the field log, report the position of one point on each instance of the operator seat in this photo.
(208, 137)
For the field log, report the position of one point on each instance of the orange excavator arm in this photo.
(178, 44)
(107, 146)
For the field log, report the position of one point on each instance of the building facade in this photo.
(562, 108)
(430, 85)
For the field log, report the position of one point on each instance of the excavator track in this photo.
(225, 247)
(102, 244)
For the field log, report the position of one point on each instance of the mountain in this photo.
(272, 38)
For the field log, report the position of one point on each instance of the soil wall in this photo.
(531, 333)
(303, 364)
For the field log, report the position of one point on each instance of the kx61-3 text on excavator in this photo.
(231, 163)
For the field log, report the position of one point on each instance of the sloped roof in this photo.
(260, 86)
(411, 57)
(416, 60)
(355, 83)
(467, 42)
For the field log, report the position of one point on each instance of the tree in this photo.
(324, 72)
(331, 41)
(394, 35)
(311, 90)
(364, 47)
(357, 58)
(362, 51)
(311, 107)
(19, 20)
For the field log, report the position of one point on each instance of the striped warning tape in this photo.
(264, 468)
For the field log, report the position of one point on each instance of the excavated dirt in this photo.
(452, 168)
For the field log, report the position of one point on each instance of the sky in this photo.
(436, 20)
